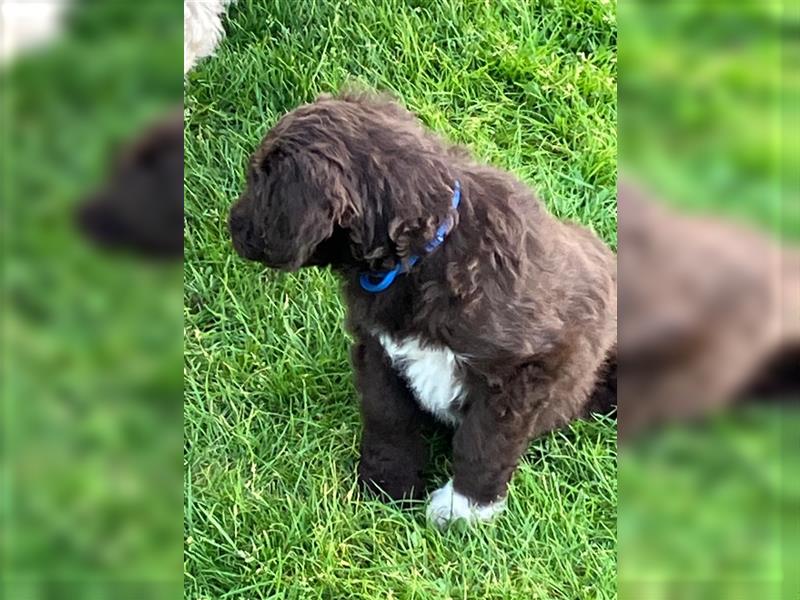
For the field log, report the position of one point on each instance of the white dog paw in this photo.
(447, 505)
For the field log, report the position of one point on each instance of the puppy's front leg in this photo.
(393, 451)
(487, 446)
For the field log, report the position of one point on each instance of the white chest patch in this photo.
(431, 374)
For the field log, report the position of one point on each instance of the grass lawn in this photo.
(271, 417)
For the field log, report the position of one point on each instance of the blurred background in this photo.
(709, 230)
(92, 335)
(709, 225)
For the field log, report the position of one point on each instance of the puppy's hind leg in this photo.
(393, 450)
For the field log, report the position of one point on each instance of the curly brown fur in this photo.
(526, 304)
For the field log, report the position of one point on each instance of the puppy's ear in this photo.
(410, 235)
(419, 209)
(299, 199)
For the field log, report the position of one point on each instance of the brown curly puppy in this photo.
(466, 299)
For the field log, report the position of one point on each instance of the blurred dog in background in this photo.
(140, 207)
(708, 314)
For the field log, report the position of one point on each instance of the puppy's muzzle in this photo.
(247, 243)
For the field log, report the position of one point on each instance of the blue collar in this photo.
(377, 281)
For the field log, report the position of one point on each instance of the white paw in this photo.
(446, 505)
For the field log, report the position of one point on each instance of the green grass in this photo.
(271, 416)
(709, 103)
(711, 511)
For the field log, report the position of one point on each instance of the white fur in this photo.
(431, 373)
(447, 505)
(202, 29)
(26, 25)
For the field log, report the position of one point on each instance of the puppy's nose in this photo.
(236, 222)
(240, 220)
(244, 240)
(237, 217)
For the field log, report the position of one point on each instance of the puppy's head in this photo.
(291, 205)
(352, 180)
